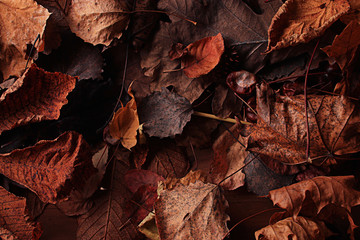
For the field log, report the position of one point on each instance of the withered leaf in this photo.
(164, 114)
(108, 218)
(238, 24)
(229, 156)
(21, 22)
(98, 22)
(35, 97)
(299, 21)
(280, 132)
(194, 211)
(136, 178)
(321, 191)
(301, 228)
(344, 45)
(353, 14)
(202, 56)
(125, 124)
(14, 218)
(51, 168)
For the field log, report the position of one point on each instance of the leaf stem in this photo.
(212, 116)
(305, 101)
(297, 76)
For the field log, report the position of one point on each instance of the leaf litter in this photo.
(210, 109)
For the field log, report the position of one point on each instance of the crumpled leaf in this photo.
(14, 218)
(21, 22)
(321, 191)
(202, 56)
(229, 156)
(280, 132)
(108, 218)
(125, 124)
(260, 179)
(148, 227)
(194, 211)
(75, 58)
(164, 114)
(301, 228)
(191, 177)
(299, 21)
(51, 168)
(98, 22)
(238, 24)
(35, 97)
(344, 46)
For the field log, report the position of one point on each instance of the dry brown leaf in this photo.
(192, 176)
(107, 219)
(299, 21)
(98, 22)
(202, 56)
(21, 22)
(14, 218)
(194, 211)
(51, 168)
(35, 97)
(280, 132)
(353, 14)
(125, 124)
(301, 228)
(321, 191)
(344, 45)
(229, 156)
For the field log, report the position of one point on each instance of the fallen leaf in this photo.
(224, 102)
(75, 58)
(98, 22)
(202, 56)
(240, 27)
(191, 177)
(35, 97)
(229, 156)
(280, 132)
(260, 179)
(344, 45)
(353, 14)
(140, 153)
(51, 168)
(125, 123)
(107, 218)
(299, 21)
(14, 218)
(194, 211)
(136, 178)
(21, 22)
(321, 191)
(301, 228)
(148, 227)
(164, 114)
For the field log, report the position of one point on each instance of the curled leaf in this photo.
(299, 21)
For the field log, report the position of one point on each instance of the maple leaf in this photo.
(125, 124)
(229, 156)
(184, 208)
(301, 228)
(321, 191)
(164, 114)
(240, 27)
(280, 132)
(107, 218)
(14, 218)
(98, 22)
(344, 45)
(35, 97)
(21, 22)
(299, 21)
(50, 168)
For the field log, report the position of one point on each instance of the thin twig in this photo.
(31, 50)
(212, 116)
(305, 101)
(195, 158)
(297, 76)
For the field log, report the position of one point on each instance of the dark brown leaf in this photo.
(164, 114)
(135, 178)
(35, 97)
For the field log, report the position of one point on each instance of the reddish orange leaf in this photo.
(35, 97)
(50, 168)
(299, 21)
(14, 218)
(202, 56)
(344, 45)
